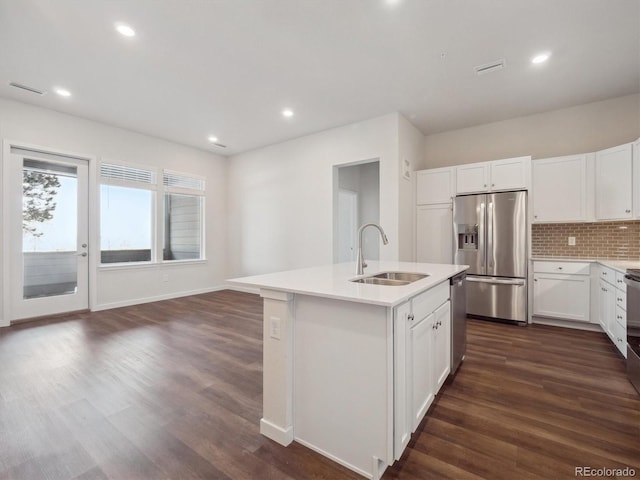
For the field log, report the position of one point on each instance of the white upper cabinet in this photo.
(614, 183)
(559, 189)
(435, 185)
(472, 178)
(498, 175)
(510, 174)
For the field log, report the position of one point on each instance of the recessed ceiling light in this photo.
(212, 138)
(63, 92)
(543, 57)
(287, 112)
(126, 30)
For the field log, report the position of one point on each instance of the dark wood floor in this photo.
(173, 390)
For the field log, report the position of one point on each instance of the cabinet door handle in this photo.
(559, 268)
(627, 211)
(485, 184)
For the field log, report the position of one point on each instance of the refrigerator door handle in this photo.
(481, 238)
(498, 281)
(490, 227)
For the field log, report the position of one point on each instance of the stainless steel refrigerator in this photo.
(490, 235)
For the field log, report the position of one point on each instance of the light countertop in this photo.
(332, 281)
(620, 265)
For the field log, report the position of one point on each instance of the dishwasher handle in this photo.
(498, 281)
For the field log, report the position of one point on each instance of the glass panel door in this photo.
(54, 248)
(49, 229)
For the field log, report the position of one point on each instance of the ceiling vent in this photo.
(27, 88)
(490, 67)
(220, 145)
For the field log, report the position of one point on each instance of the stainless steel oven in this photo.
(632, 279)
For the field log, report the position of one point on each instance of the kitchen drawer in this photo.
(568, 268)
(427, 302)
(620, 282)
(621, 299)
(608, 274)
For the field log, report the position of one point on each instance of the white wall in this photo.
(27, 124)
(281, 196)
(411, 149)
(364, 179)
(580, 129)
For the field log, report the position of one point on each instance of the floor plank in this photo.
(173, 389)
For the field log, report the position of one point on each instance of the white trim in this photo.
(157, 298)
(274, 432)
(557, 322)
(105, 267)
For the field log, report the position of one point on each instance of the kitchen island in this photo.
(350, 369)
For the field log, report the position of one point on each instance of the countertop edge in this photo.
(408, 291)
(607, 262)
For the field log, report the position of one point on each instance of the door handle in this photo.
(83, 254)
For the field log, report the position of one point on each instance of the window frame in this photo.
(156, 184)
(118, 181)
(198, 189)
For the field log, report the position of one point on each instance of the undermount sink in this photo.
(391, 278)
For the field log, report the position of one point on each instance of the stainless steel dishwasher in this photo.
(458, 285)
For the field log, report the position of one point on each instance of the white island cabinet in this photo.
(349, 369)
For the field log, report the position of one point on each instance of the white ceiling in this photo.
(229, 67)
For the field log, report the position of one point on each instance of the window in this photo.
(183, 214)
(126, 214)
(129, 216)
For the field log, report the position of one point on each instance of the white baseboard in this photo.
(157, 298)
(556, 322)
(284, 436)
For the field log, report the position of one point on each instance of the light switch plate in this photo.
(274, 323)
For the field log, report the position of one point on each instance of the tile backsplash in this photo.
(613, 240)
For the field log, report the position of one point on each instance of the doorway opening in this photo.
(356, 201)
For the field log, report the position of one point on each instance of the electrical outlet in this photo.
(274, 323)
(572, 241)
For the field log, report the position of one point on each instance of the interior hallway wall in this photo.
(281, 197)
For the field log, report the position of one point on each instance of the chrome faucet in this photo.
(361, 263)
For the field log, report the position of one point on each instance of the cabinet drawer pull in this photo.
(627, 211)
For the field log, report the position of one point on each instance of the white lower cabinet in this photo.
(422, 383)
(561, 290)
(612, 306)
(441, 344)
(422, 360)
